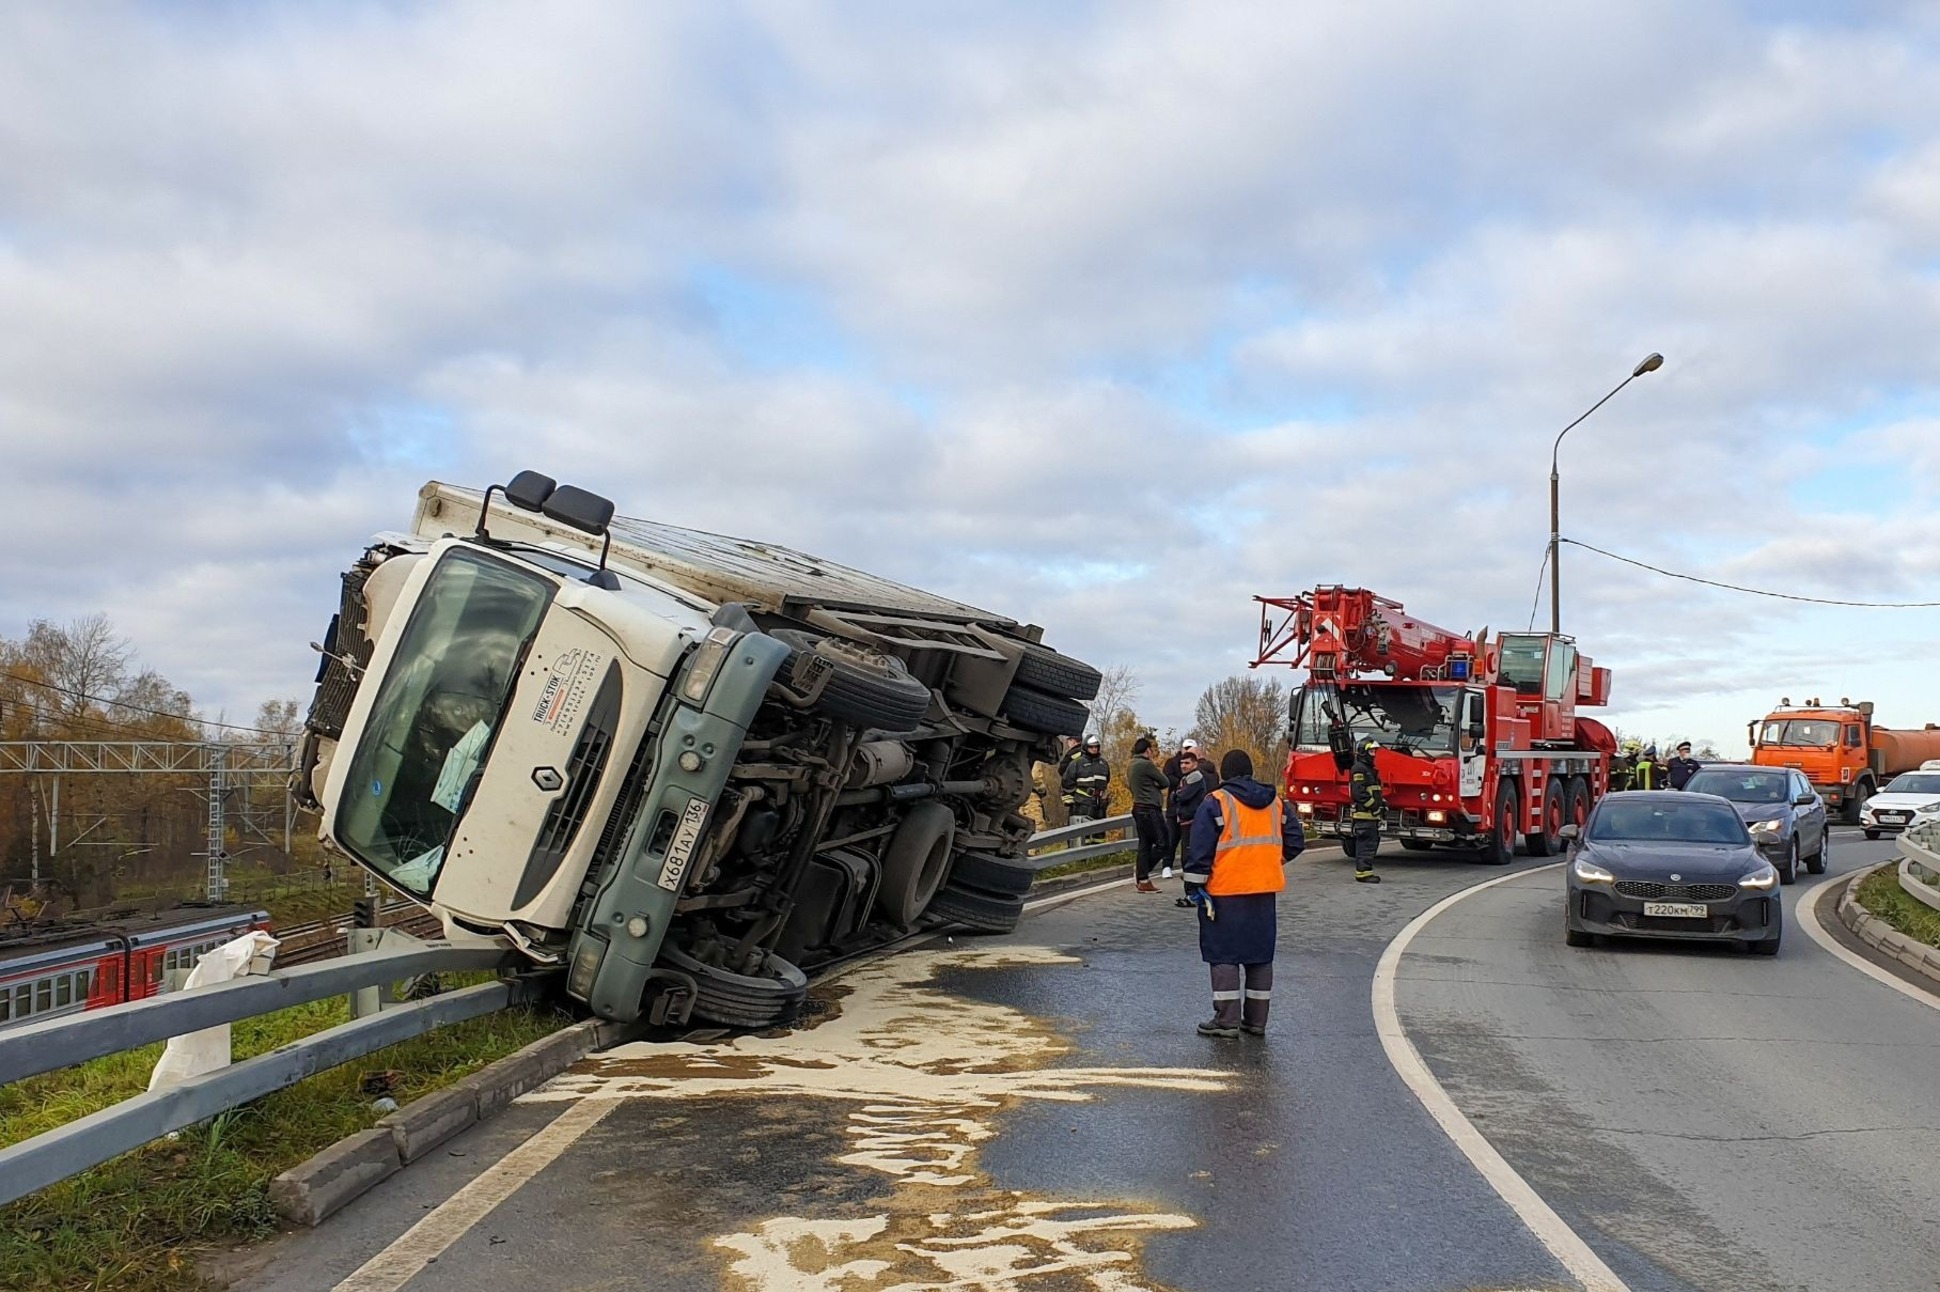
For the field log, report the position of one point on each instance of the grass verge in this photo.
(1124, 858)
(1880, 893)
(139, 1222)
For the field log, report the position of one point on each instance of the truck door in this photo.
(1474, 743)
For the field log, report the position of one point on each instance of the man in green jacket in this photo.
(1148, 785)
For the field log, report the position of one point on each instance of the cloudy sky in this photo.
(1104, 315)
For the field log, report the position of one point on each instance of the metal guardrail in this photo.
(1118, 826)
(89, 1141)
(1920, 847)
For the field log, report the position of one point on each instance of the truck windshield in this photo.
(1412, 719)
(431, 725)
(1807, 733)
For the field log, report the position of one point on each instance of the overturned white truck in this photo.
(681, 765)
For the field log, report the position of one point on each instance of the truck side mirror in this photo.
(1478, 730)
(570, 505)
(529, 490)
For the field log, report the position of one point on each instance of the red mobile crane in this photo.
(1481, 739)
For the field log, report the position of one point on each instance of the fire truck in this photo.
(1481, 741)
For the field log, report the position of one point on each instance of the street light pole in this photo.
(1651, 363)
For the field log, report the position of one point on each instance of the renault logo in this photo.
(547, 778)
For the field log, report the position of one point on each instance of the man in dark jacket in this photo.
(1682, 767)
(1196, 780)
(1649, 773)
(1367, 805)
(1087, 780)
(1242, 838)
(1147, 784)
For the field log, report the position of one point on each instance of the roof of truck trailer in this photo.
(721, 566)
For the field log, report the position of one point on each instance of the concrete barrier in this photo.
(314, 1189)
(1884, 938)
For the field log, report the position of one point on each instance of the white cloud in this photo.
(1108, 318)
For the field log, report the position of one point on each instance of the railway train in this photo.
(49, 971)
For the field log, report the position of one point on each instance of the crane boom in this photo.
(1340, 632)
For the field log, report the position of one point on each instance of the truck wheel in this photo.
(1576, 805)
(1502, 848)
(742, 1000)
(1856, 801)
(868, 689)
(1043, 669)
(1548, 841)
(1051, 714)
(988, 874)
(914, 863)
(979, 912)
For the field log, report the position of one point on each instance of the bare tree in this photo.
(1117, 692)
(87, 659)
(1246, 711)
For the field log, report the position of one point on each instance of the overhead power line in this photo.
(1757, 592)
(136, 708)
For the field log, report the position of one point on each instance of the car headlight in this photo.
(1767, 828)
(1588, 872)
(1929, 807)
(1761, 880)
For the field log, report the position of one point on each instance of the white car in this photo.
(1894, 808)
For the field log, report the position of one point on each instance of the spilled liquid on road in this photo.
(921, 1076)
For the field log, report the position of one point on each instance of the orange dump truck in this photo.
(1840, 750)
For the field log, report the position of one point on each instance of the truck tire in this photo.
(914, 863)
(1856, 801)
(742, 1000)
(1576, 806)
(978, 912)
(1052, 715)
(868, 689)
(988, 874)
(1502, 848)
(1043, 669)
(1548, 841)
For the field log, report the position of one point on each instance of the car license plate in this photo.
(686, 835)
(1680, 910)
(1897, 818)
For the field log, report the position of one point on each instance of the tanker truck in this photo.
(1845, 755)
(679, 766)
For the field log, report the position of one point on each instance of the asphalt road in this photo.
(1704, 1119)
(1035, 1112)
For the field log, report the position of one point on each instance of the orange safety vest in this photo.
(1251, 851)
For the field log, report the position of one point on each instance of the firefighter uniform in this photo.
(1241, 839)
(1647, 775)
(1367, 805)
(1087, 780)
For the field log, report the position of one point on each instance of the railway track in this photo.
(323, 939)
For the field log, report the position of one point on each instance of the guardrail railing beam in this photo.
(89, 1141)
(69, 1039)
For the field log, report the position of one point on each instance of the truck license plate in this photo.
(686, 835)
(1681, 910)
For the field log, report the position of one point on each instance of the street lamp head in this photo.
(1651, 363)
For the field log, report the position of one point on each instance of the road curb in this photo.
(325, 1183)
(1883, 937)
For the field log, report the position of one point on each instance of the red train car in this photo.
(64, 970)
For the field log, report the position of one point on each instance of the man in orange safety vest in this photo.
(1241, 839)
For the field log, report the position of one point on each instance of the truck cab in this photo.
(656, 759)
(1830, 744)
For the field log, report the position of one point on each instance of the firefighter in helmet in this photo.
(1649, 774)
(1367, 804)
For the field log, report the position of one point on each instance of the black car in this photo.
(1669, 864)
(1785, 815)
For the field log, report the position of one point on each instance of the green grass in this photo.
(139, 1222)
(1881, 894)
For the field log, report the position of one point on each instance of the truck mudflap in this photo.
(610, 963)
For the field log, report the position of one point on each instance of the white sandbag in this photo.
(195, 1053)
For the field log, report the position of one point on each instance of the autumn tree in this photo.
(1246, 711)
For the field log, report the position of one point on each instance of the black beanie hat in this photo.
(1235, 762)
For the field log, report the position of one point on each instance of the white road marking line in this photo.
(1806, 912)
(446, 1223)
(1549, 1228)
